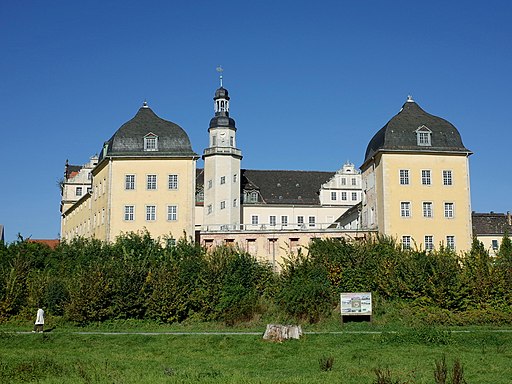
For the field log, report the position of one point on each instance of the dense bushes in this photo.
(138, 278)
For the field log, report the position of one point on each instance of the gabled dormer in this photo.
(150, 142)
(424, 136)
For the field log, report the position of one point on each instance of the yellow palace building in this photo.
(413, 185)
(416, 182)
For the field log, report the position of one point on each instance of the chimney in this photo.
(509, 218)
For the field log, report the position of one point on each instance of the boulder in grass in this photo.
(278, 332)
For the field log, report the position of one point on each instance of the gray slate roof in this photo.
(286, 187)
(280, 187)
(399, 134)
(491, 223)
(129, 138)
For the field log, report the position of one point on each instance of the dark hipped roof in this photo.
(491, 223)
(129, 138)
(399, 134)
(286, 187)
(280, 187)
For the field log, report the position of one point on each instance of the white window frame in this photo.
(426, 177)
(344, 196)
(333, 196)
(223, 204)
(300, 220)
(449, 210)
(447, 177)
(150, 142)
(129, 213)
(429, 242)
(172, 182)
(284, 220)
(450, 242)
(151, 182)
(78, 191)
(428, 211)
(150, 212)
(223, 179)
(354, 196)
(129, 182)
(172, 213)
(404, 177)
(312, 221)
(272, 220)
(255, 219)
(424, 136)
(406, 242)
(405, 209)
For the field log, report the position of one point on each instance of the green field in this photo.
(405, 355)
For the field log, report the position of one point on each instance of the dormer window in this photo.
(151, 142)
(424, 136)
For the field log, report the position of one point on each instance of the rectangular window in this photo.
(222, 205)
(150, 212)
(405, 209)
(354, 196)
(151, 182)
(254, 220)
(354, 181)
(311, 221)
(173, 182)
(300, 220)
(495, 245)
(223, 179)
(272, 220)
(234, 178)
(429, 242)
(129, 212)
(427, 209)
(210, 184)
(404, 177)
(406, 242)
(333, 196)
(231, 141)
(450, 242)
(423, 138)
(425, 177)
(235, 203)
(343, 181)
(447, 177)
(78, 191)
(209, 209)
(343, 196)
(284, 220)
(150, 143)
(448, 210)
(172, 212)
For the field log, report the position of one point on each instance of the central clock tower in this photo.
(222, 168)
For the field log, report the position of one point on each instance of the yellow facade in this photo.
(105, 208)
(435, 210)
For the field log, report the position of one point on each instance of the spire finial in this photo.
(220, 70)
(145, 104)
(410, 99)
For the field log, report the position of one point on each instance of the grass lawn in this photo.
(409, 355)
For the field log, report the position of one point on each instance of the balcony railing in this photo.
(222, 150)
(265, 227)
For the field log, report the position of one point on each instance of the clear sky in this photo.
(310, 84)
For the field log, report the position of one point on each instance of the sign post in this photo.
(356, 304)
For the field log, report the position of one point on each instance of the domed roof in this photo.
(129, 139)
(221, 93)
(401, 133)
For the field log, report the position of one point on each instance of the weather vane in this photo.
(220, 70)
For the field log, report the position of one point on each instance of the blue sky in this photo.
(310, 83)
